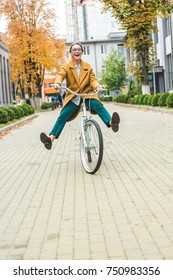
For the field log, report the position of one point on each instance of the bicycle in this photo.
(91, 139)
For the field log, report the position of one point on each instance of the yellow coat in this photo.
(85, 83)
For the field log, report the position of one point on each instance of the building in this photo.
(5, 81)
(97, 31)
(87, 21)
(95, 51)
(163, 71)
(48, 90)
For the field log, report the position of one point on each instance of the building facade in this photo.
(48, 90)
(5, 81)
(87, 21)
(97, 31)
(163, 70)
(95, 51)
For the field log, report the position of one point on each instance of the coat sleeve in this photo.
(61, 75)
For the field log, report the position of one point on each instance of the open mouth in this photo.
(77, 55)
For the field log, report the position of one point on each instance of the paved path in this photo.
(51, 209)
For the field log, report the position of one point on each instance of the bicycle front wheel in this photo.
(91, 147)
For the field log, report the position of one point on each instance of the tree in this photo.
(138, 18)
(31, 41)
(115, 73)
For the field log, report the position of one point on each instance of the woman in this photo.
(79, 77)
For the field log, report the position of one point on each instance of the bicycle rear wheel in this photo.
(91, 148)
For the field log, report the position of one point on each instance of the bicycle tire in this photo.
(92, 154)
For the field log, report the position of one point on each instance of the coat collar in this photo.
(83, 70)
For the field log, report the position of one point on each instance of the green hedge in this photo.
(141, 99)
(16, 112)
(12, 112)
(46, 106)
(121, 98)
(3, 116)
(162, 99)
(169, 101)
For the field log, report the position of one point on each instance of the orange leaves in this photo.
(31, 41)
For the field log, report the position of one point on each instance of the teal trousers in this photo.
(70, 109)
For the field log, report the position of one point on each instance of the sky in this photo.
(2, 25)
(58, 5)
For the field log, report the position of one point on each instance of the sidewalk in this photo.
(50, 208)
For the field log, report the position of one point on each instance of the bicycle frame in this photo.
(91, 141)
(83, 121)
(84, 110)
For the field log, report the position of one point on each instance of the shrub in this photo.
(3, 116)
(108, 98)
(27, 109)
(155, 99)
(131, 93)
(136, 99)
(10, 113)
(45, 105)
(122, 98)
(135, 89)
(162, 99)
(16, 112)
(169, 100)
(146, 98)
(150, 98)
(130, 100)
(31, 108)
(21, 111)
(141, 99)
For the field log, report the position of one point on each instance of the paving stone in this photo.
(52, 209)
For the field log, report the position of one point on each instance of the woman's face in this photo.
(76, 53)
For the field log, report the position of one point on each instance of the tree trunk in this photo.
(144, 77)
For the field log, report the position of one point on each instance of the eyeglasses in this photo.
(77, 49)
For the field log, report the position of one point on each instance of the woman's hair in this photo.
(76, 43)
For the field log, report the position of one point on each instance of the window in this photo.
(156, 40)
(167, 26)
(120, 48)
(103, 49)
(86, 50)
(170, 73)
(2, 72)
(5, 79)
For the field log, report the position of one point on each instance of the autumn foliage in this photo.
(33, 47)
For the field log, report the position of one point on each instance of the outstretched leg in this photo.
(101, 111)
(66, 113)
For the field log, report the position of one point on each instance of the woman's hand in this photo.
(101, 87)
(57, 86)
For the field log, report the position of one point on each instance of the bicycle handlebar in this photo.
(84, 94)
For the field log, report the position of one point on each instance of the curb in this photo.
(147, 108)
(10, 126)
